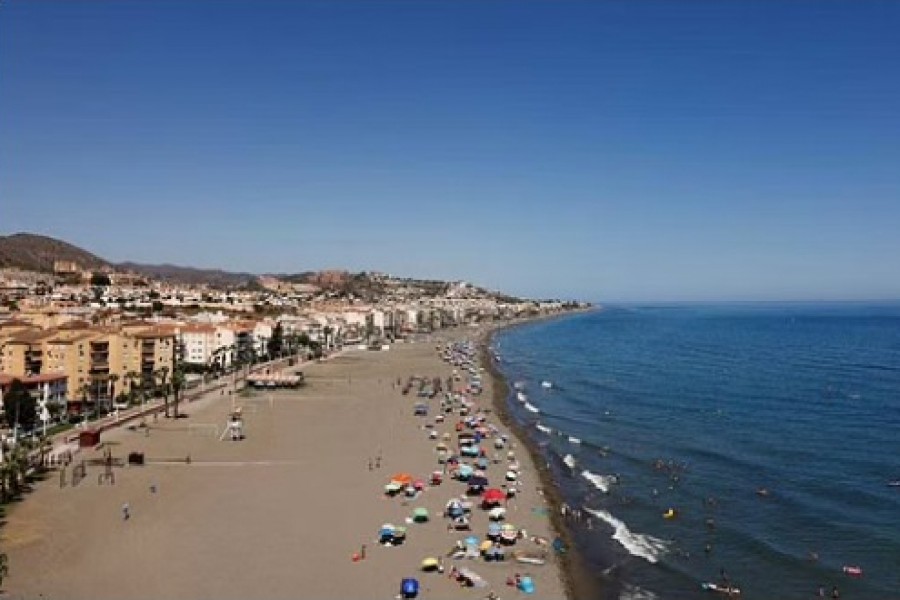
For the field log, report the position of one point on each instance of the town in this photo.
(85, 343)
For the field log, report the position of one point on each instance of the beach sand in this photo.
(277, 515)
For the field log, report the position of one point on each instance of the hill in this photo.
(189, 275)
(31, 252)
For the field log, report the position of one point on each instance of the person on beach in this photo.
(126, 512)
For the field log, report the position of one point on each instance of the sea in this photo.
(751, 445)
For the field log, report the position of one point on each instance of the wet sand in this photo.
(277, 515)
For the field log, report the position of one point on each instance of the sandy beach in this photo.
(281, 513)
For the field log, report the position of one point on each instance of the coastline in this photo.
(573, 571)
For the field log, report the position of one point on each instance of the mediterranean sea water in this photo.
(771, 432)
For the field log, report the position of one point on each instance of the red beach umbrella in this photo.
(493, 496)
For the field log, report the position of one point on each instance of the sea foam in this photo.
(601, 482)
(543, 428)
(531, 407)
(644, 546)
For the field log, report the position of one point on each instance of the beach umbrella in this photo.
(494, 530)
(493, 496)
(465, 471)
(402, 478)
(477, 481)
(430, 564)
(471, 541)
(419, 484)
(420, 515)
(497, 513)
(485, 545)
(482, 463)
(409, 588)
(511, 476)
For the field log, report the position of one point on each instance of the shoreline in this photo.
(573, 571)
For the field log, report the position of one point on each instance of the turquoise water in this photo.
(699, 408)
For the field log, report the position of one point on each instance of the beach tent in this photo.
(392, 489)
(420, 515)
(409, 588)
(465, 471)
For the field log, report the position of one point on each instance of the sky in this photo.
(601, 151)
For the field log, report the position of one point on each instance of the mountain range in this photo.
(31, 252)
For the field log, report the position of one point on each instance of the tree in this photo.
(131, 377)
(177, 386)
(163, 374)
(4, 567)
(112, 380)
(19, 406)
(100, 280)
(276, 342)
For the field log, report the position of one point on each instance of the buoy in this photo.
(669, 514)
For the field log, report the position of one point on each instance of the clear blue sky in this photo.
(599, 150)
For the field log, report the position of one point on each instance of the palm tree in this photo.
(45, 445)
(83, 392)
(177, 386)
(163, 376)
(111, 381)
(131, 377)
(4, 567)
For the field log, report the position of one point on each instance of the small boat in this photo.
(722, 589)
(853, 570)
(895, 483)
(569, 461)
(670, 514)
(546, 385)
(574, 440)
